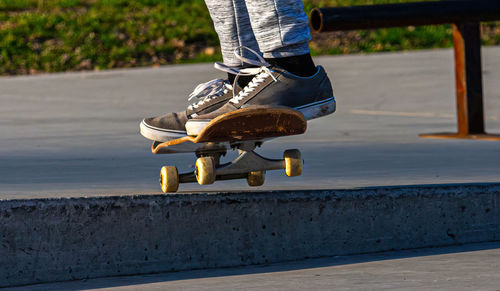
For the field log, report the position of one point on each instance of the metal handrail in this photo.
(404, 14)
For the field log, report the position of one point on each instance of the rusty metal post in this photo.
(469, 79)
(469, 84)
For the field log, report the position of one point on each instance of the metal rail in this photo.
(406, 14)
(465, 15)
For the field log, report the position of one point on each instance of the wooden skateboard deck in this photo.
(248, 124)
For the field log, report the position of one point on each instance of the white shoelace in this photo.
(262, 72)
(209, 90)
(217, 87)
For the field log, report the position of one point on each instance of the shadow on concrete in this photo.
(317, 263)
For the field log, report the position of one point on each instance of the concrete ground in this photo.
(77, 134)
(468, 267)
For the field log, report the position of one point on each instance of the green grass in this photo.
(61, 35)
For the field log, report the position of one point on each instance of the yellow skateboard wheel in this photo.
(205, 170)
(256, 178)
(293, 163)
(169, 179)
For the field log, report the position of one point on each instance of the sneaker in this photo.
(212, 95)
(275, 87)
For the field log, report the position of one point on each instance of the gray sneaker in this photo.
(272, 87)
(212, 95)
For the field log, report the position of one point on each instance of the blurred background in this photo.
(38, 36)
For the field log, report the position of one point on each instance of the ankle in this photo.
(302, 65)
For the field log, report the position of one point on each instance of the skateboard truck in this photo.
(248, 165)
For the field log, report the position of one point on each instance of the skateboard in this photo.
(242, 130)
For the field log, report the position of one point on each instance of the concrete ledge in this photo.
(43, 240)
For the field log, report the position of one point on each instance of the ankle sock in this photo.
(302, 65)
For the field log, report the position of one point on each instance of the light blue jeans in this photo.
(275, 28)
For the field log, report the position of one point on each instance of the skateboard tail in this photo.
(161, 147)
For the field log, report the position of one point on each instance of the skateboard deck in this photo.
(248, 124)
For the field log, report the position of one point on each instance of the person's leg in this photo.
(281, 28)
(232, 24)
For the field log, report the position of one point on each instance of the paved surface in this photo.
(469, 267)
(77, 134)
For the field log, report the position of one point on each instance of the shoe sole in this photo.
(310, 111)
(160, 134)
